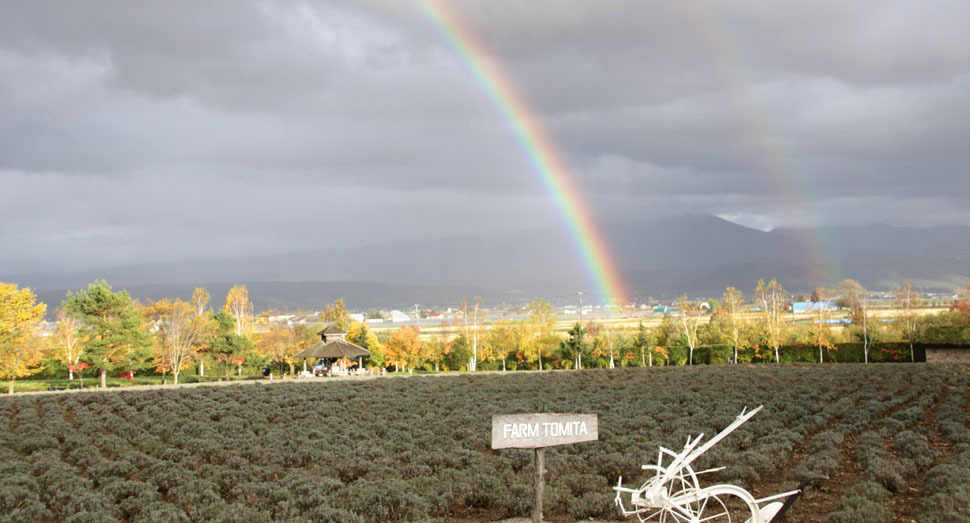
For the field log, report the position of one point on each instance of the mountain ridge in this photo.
(693, 253)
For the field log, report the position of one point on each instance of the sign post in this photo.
(538, 431)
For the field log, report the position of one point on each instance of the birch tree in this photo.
(857, 298)
(733, 300)
(909, 302)
(19, 315)
(200, 300)
(822, 333)
(463, 309)
(67, 340)
(476, 308)
(179, 331)
(690, 316)
(772, 299)
(238, 304)
(540, 340)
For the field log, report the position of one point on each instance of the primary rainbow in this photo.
(537, 146)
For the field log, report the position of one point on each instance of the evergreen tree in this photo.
(112, 327)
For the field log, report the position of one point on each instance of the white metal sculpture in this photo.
(674, 493)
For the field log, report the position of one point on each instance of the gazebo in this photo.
(333, 344)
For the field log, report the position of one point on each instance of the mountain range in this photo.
(695, 254)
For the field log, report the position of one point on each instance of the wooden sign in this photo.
(532, 431)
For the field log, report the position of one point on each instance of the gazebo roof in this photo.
(333, 349)
(331, 329)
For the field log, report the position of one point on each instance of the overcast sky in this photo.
(147, 131)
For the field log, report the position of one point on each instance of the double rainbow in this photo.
(537, 146)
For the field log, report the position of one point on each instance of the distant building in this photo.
(356, 316)
(399, 317)
(813, 306)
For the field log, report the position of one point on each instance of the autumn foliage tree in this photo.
(359, 334)
(67, 341)
(179, 330)
(690, 316)
(238, 304)
(857, 298)
(732, 301)
(19, 314)
(821, 335)
(909, 301)
(278, 344)
(404, 348)
(336, 314)
(539, 341)
(772, 299)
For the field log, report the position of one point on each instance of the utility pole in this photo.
(417, 316)
(579, 355)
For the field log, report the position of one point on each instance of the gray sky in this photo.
(173, 130)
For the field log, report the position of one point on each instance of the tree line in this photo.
(102, 332)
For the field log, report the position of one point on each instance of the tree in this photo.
(228, 346)
(476, 308)
(539, 340)
(504, 338)
(404, 348)
(463, 310)
(733, 300)
(643, 341)
(690, 315)
(606, 342)
(68, 340)
(238, 304)
(200, 299)
(857, 299)
(458, 352)
(278, 344)
(772, 298)
(359, 334)
(336, 314)
(822, 333)
(111, 326)
(964, 293)
(200, 302)
(19, 314)
(574, 346)
(909, 301)
(179, 331)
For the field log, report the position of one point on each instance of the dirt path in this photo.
(192, 385)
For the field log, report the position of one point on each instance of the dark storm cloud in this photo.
(167, 130)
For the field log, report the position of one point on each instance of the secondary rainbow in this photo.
(772, 155)
(540, 150)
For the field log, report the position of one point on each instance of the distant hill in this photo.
(310, 296)
(695, 254)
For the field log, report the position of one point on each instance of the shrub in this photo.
(857, 509)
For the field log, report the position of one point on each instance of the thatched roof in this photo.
(333, 349)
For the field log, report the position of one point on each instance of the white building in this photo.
(399, 317)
